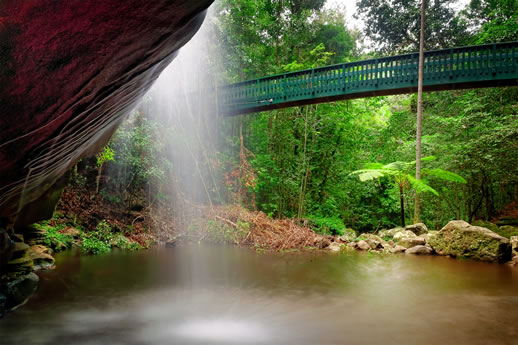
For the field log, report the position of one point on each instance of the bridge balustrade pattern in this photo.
(453, 68)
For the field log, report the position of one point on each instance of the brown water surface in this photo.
(228, 295)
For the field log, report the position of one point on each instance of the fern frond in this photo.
(421, 186)
(444, 175)
(368, 166)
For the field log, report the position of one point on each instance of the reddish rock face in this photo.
(69, 73)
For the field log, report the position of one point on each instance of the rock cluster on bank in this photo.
(28, 254)
(457, 239)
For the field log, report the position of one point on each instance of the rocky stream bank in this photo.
(30, 249)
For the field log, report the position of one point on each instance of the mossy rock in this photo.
(507, 221)
(16, 292)
(390, 233)
(418, 228)
(20, 266)
(20, 250)
(486, 224)
(507, 231)
(460, 239)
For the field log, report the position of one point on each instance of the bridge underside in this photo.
(492, 65)
(365, 94)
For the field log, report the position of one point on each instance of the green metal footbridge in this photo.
(446, 69)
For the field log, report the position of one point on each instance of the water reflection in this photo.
(228, 295)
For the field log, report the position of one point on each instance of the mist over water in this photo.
(228, 295)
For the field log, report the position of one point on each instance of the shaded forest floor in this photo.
(219, 224)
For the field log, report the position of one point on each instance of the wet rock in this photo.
(412, 242)
(419, 250)
(353, 245)
(460, 239)
(403, 234)
(514, 262)
(363, 245)
(335, 247)
(20, 250)
(485, 224)
(6, 249)
(34, 234)
(18, 291)
(418, 228)
(41, 257)
(17, 237)
(20, 266)
(397, 249)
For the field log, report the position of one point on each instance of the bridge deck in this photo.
(455, 68)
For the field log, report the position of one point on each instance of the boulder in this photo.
(514, 246)
(418, 228)
(20, 250)
(397, 249)
(373, 244)
(412, 242)
(19, 267)
(373, 237)
(460, 239)
(347, 237)
(335, 246)
(34, 234)
(428, 235)
(41, 257)
(390, 232)
(18, 291)
(353, 245)
(419, 250)
(507, 231)
(485, 224)
(403, 234)
(363, 245)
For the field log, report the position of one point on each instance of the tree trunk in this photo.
(417, 209)
(402, 202)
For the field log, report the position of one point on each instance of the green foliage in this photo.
(93, 245)
(103, 239)
(326, 225)
(395, 25)
(498, 20)
(53, 239)
(507, 231)
(106, 155)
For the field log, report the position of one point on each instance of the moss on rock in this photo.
(460, 239)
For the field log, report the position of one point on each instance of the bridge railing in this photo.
(454, 65)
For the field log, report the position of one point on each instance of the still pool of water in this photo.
(229, 295)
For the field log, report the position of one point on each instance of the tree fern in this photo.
(402, 175)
